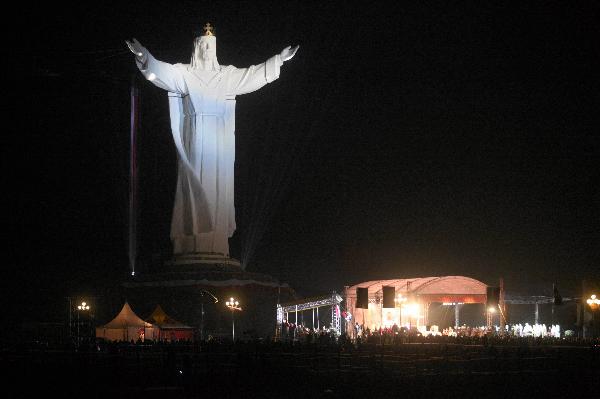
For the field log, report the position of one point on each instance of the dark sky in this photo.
(417, 140)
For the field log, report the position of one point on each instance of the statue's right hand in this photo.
(135, 47)
(288, 52)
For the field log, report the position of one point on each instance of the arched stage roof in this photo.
(434, 289)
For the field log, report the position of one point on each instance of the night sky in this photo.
(418, 140)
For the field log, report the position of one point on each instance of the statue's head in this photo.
(206, 47)
(205, 50)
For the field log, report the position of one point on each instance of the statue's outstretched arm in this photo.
(254, 77)
(140, 52)
(161, 74)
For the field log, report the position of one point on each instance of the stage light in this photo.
(411, 309)
(492, 309)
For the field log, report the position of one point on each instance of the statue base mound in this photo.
(185, 286)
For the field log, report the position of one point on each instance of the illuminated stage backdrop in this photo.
(413, 298)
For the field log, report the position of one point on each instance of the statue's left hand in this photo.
(288, 52)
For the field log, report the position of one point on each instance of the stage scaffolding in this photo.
(313, 303)
(535, 300)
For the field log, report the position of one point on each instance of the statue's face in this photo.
(207, 47)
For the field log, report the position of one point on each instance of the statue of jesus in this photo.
(202, 109)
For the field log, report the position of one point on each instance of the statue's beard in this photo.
(203, 60)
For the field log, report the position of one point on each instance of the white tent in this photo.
(126, 326)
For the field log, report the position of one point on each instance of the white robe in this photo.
(202, 108)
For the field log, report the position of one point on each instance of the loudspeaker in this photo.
(389, 294)
(362, 298)
(493, 297)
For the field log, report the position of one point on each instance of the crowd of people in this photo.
(509, 334)
(291, 332)
(516, 330)
(298, 333)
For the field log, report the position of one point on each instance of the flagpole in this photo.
(135, 99)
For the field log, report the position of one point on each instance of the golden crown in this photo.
(208, 30)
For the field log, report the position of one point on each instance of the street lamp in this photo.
(83, 307)
(215, 300)
(593, 302)
(233, 305)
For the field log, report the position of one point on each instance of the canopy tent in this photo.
(126, 326)
(433, 289)
(167, 328)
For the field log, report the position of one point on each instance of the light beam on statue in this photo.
(202, 110)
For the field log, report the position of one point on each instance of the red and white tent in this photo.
(167, 328)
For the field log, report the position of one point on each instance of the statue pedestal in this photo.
(204, 260)
(180, 286)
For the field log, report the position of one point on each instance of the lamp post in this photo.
(233, 305)
(594, 304)
(84, 307)
(215, 300)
